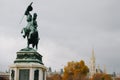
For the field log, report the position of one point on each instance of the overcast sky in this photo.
(68, 29)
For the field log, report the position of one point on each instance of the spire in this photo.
(93, 56)
(93, 53)
(92, 64)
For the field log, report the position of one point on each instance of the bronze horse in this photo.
(34, 39)
(30, 31)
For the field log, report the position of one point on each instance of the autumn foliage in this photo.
(75, 71)
(54, 77)
(101, 76)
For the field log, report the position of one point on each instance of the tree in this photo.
(75, 71)
(107, 77)
(101, 76)
(54, 77)
(97, 76)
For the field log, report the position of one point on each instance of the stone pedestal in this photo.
(28, 66)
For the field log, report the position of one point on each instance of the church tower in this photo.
(92, 64)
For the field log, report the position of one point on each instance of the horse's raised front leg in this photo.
(23, 31)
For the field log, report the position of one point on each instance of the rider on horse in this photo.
(31, 27)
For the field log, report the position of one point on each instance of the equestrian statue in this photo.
(30, 31)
